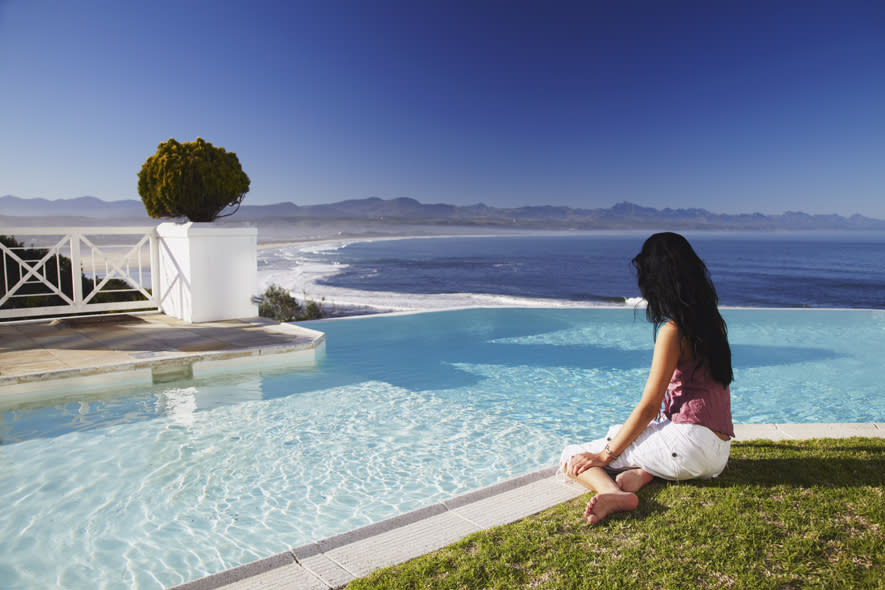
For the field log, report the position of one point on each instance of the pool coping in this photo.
(148, 348)
(333, 562)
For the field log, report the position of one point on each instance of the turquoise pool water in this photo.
(150, 488)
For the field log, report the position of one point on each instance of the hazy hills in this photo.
(86, 210)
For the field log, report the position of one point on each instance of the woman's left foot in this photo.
(601, 505)
(633, 480)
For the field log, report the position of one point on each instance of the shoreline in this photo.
(303, 281)
(310, 262)
(346, 302)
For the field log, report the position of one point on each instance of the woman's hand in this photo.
(581, 462)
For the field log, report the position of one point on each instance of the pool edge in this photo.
(332, 563)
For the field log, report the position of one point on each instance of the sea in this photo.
(817, 269)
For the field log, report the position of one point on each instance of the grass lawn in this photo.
(798, 514)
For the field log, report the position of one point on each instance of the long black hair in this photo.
(677, 286)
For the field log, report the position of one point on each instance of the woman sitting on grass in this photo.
(690, 373)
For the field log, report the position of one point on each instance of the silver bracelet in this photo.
(608, 451)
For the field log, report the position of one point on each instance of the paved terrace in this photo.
(155, 347)
(147, 348)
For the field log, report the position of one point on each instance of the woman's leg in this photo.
(633, 480)
(609, 497)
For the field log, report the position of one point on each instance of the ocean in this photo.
(749, 269)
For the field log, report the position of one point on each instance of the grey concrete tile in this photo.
(206, 346)
(177, 337)
(754, 431)
(65, 340)
(13, 338)
(224, 324)
(399, 545)
(330, 572)
(156, 338)
(244, 572)
(15, 365)
(88, 359)
(154, 354)
(249, 339)
(24, 356)
(518, 503)
(116, 340)
(778, 432)
(495, 489)
(290, 577)
(805, 431)
(391, 524)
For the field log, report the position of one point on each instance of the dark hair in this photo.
(677, 286)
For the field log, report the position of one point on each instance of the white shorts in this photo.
(664, 449)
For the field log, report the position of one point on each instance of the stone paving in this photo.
(148, 347)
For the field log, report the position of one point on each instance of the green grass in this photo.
(799, 514)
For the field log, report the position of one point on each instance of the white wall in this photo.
(206, 272)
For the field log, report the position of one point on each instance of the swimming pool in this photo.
(149, 488)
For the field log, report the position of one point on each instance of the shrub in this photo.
(312, 311)
(193, 179)
(277, 303)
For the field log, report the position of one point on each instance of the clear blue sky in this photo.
(734, 106)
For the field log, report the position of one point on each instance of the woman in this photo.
(690, 376)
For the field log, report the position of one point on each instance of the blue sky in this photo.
(732, 106)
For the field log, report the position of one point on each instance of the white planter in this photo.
(206, 272)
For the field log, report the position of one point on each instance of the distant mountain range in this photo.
(406, 210)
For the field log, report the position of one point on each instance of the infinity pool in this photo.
(150, 488)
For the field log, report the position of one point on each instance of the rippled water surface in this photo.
(147, 488)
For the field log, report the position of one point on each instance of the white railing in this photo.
(76, 266)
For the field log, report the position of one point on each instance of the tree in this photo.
(193, 179)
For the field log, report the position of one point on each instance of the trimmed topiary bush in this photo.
(193, 179)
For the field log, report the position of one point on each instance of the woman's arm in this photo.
(667, 352)
(666, 355)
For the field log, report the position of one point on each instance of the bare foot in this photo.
(601, 505)
(633, 480)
